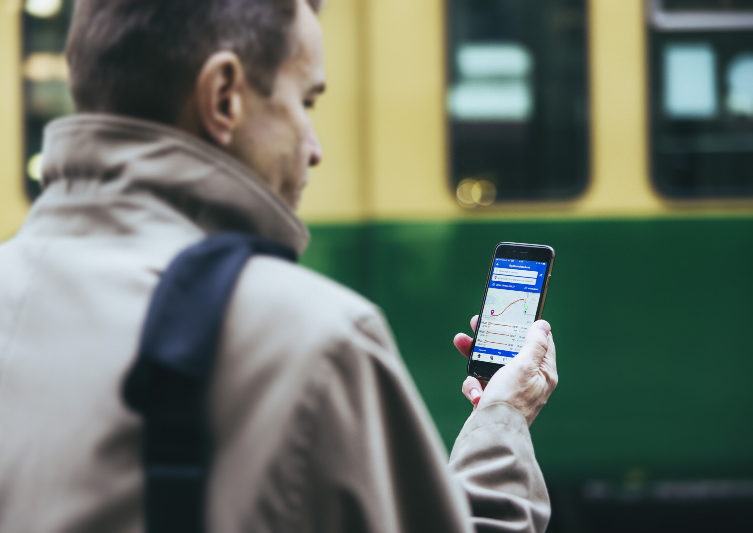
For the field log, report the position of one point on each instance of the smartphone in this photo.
(513, 300)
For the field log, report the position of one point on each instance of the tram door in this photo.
(701, 90)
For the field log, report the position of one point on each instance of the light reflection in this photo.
(502, 60)
(690, 81)
(34, 167)
(494, 84)
(43, 8)
(501, 100)
(41, 67)
(473, 193)
(740, 82)
(464, 193)
(484, 192)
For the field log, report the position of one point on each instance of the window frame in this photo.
(699, 20)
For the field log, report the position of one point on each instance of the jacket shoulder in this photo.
(291, 288)
(281, 307)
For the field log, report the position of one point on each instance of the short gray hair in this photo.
(141, 57)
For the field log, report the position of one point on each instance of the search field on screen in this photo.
(514, 272)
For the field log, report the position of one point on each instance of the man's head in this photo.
(239, 73)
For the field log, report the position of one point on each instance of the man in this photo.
(193, 119)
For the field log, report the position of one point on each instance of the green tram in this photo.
(618, 132)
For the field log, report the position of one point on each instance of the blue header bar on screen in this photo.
(517, 275)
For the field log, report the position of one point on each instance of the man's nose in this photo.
(315, 151)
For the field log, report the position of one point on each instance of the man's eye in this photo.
(309, 104)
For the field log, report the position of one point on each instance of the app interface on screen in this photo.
(509, 309)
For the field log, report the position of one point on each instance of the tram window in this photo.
(45, 89)
(516, 99)
(701, 70)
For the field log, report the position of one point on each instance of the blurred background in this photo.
(620, 132)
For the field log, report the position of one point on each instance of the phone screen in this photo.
(510, 307)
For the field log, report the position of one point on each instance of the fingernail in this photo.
(475, 395)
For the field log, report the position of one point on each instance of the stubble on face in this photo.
(278, 138)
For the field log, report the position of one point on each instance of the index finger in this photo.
(463, 342)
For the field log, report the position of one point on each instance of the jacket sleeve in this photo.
(493, 459)
(377, 463)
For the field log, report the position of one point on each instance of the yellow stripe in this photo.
(336, 189)
(13, 204)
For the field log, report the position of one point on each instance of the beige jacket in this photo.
(318, 426)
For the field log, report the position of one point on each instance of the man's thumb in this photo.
(537, 342)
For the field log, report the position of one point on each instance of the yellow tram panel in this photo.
(13, 203)
(336, 191)
(402, 122)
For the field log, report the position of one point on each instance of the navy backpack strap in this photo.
(169, 383)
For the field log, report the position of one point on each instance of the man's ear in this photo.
(219, 97)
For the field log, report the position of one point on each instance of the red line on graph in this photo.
(491, 342)
(492, 333)
(505, 309)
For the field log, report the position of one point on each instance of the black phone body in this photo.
(513, 300)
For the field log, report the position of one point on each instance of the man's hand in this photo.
(526, 382)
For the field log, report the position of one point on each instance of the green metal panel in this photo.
(651, 320)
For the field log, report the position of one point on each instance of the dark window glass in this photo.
(516, 99)
(708, 5)
(46, 95)
(702, 103)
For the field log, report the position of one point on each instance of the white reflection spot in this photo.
(690, 81)
(494, 83)
(740, 82)
(34, 167)
(43, 8)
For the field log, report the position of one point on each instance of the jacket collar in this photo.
(206, 185)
